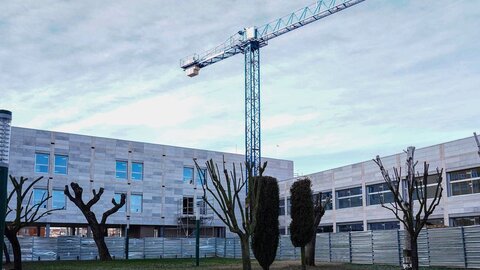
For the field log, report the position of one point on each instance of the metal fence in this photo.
(455, 247)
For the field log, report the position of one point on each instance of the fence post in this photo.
(464, 247)
(350, 245)
(399, 248)
(181, 247)
(428, 246)
(373, 254)
(330, 247)
(225, 248)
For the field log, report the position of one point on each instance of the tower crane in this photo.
(248, 41)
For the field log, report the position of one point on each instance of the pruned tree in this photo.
(227, 204)
(301, 227)
(319, 208)
(478, 142)
(99, 229)
(265, 232)
(21, 203)
(403, 205)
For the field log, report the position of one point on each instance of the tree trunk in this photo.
(302, 254)
(5, 253)
(310, 251)
(245, 245)
(17, 251)
(407, 251)
(414, 253)
(99, 238)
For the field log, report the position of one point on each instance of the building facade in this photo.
(357, 190)
(161, 183)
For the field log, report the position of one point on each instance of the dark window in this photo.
(188, 206)
(466, 221)
(379, 193)
(350, 227)
(432, 181)
(381, 226)
(324, 229)
(351, 197)
(464, 181)
(325, 195)
(281, 207)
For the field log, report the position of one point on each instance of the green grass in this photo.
(209, 263)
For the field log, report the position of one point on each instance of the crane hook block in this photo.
(192, 71)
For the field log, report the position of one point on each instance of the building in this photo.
(356, 190)
(160, 181)
(162, 185)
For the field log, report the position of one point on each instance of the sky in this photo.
(370, 80)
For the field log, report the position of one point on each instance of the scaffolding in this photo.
(186, 217)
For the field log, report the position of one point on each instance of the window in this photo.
(137, 171)
(464, 181)
(61, 164)
(351, 197)
(350, 227)
(432, 181)
(41, 162)
(136, 203)
(435, 223)
(324, 229)
(379, 193)
(289, 206)
(466, 221)
(121, 169)
(381, 226)
(325, 195)
(202, 206)
(40, 194)
(58, 199)
(188, 175)
(202, 176)
(187, 208)
(117, 197)
(281, 207)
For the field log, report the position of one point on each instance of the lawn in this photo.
(210, 263)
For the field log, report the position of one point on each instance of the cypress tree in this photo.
(301, 228)
(266, 226)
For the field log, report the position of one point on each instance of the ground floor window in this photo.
(324, 229)
(351, 227)
(381, 226)
(466, 221)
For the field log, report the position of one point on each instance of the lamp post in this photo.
(5, 132)
(126, 237)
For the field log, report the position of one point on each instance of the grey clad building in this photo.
(162, 186)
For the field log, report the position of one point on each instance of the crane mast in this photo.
(248, 42)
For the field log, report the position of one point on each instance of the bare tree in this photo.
(319, 208)
(98, 229)
(227, 204)
(478, 142)
(403, 205)
(21, 203)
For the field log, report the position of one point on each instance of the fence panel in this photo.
(207, 247)
(153, 248)
(44, 249)
(385, 247)
(88, 249)
(446, 247)
(230, 247)
(361, 247)
(340, 246)
(68, 247)
(322, 247)
(172, 247)
(136, 248)
(188, 248)
(220, 247)
(422, 244)
(288, 251)
(26, 246)
(472, 246)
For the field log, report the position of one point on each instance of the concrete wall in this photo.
(455, 155)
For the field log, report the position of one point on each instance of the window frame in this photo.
(55, 165)
(191, 179)
(122, 209)
(473, 181)
(47, 165)
(348, 197)
(380, 193)
(63, 196)
(35, 201)
(117, 171)
(200, 180)
(132, 172)
(141, 202)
